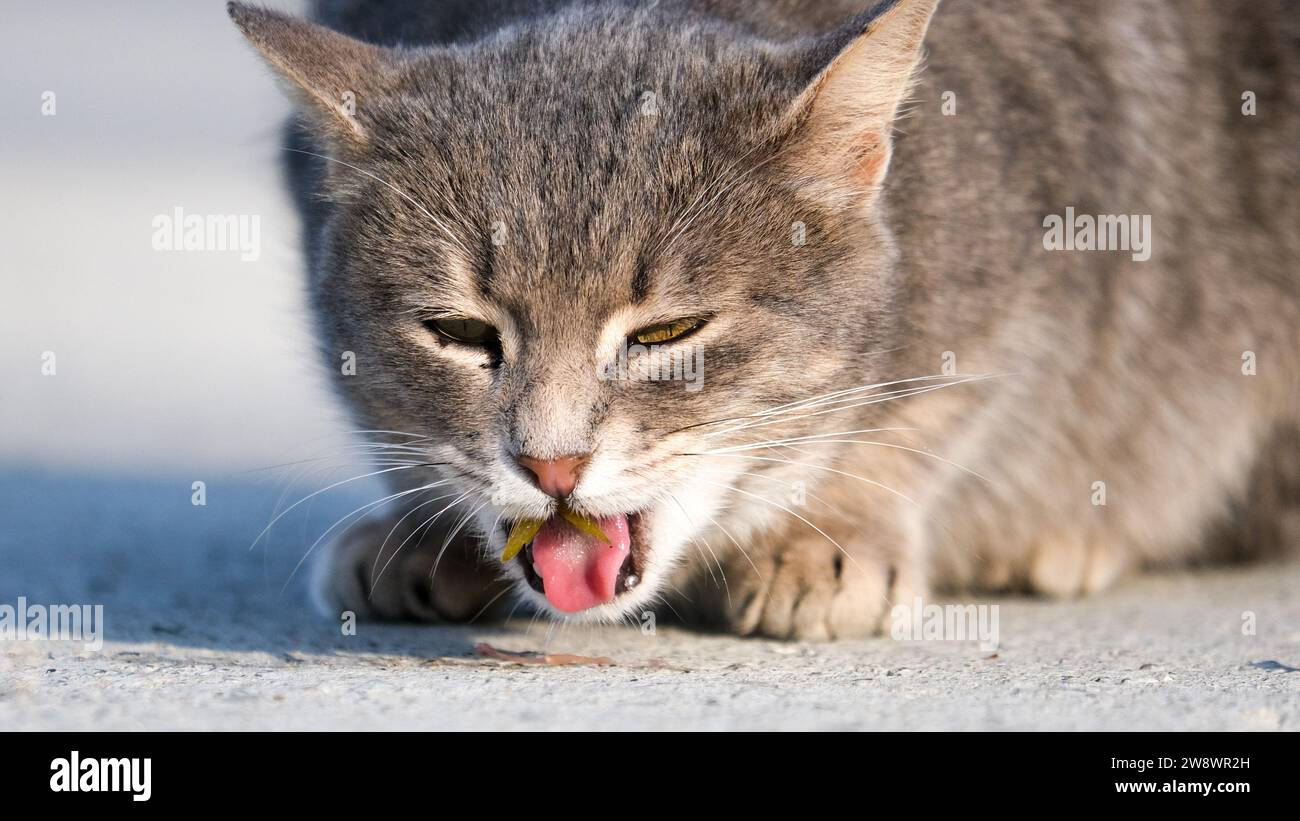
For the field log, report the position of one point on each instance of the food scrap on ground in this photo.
(485, 650)
(486, 654)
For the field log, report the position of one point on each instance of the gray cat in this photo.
(779, 313)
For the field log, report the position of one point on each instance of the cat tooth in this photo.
(632, 581)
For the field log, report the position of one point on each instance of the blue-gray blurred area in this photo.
(127, 373)
(163, 568)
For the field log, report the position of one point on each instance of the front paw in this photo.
(377, 572)
(813, 590)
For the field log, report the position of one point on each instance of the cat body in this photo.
(998, 296)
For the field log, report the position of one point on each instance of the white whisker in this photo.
(447, 541)
(439, 223)
(384, 544)
(285, 512)
(871, 400)
(819, 439)
(344, 518)
(721, 571)
(813, 466)
(764, 499)
(427, 523)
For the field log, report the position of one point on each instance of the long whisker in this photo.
(813, 466)
(812, 400)
(298, 473)
(423, 526)
(871, 400)
(384, 544)
(346, 448)
(284, 512)
(519, 602)
(447, 541)
(439, 223)
(765, 419)
(824, 534)
(492, 601)
(344, 518)
(807, 402)
(742, 550)
(721, 571)
(817, 440)
(849, 519)
(836, 509)
(357, 452)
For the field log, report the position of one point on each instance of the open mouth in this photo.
(577, 571)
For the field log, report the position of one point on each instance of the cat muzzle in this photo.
(577, 570)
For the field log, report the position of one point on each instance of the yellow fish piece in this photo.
(586, 524)
(521, 534)
(525, 529)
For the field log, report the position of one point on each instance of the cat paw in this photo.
(1067, 567)
(366, 573)
(812, 591)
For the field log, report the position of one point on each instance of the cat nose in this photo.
(555, 477)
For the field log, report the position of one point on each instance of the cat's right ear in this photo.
(334, 75)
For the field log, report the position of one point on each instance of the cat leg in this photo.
(798, 583)
(379, 571)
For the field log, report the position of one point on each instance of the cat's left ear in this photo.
(843, 119)
(333, 75)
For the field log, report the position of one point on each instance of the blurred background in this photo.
(169, 367)
(179, 362)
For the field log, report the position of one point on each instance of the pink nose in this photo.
(555, 477)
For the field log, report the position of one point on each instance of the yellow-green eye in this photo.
(462, 329)
(668, 331)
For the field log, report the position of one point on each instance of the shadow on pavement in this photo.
(167, 570)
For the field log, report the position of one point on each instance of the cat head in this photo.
(579, 257)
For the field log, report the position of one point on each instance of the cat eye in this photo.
(669, 331)
(463, 330)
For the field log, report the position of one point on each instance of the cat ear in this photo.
(333, 73)
(859, 75)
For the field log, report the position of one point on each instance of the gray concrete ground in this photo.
(198, 635)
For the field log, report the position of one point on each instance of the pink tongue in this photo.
(579, 571)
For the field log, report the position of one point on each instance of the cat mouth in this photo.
(577, 571)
